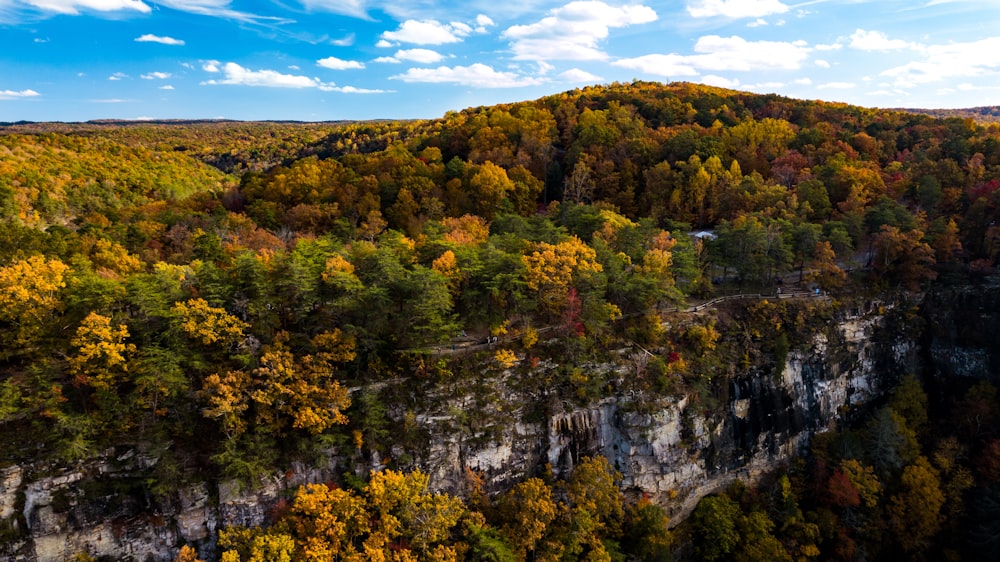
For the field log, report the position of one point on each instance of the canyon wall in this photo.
(673, 450)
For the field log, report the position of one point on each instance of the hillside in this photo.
(219, 302)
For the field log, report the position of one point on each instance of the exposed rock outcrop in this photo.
(673, 451)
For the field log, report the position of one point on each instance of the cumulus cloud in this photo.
(16, 94)
(150, 38)
(477, 76)
(878, 41)
(482, 22)
(167, 87)
(717, 54)
(949, 62)
(422, 56)
(576, 76)
(735, 9)
(387, 60)
(333, 63)
(573, 31)
(719, 81)
(118, 76)
(236, 75)
(73, 7)
(661, 65)
(425, 32)
(759, 22)
(822, 63)
(155, 76)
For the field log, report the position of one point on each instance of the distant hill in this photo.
(985, 114)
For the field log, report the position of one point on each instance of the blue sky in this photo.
(312, 60)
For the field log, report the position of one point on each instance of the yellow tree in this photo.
(207, 324)
(527, 510)
(467, 230)
(551, 269)
(29, 296)
(915, 511)
(100, 361)
(825, 270)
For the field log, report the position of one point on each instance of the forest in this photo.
(232, 297)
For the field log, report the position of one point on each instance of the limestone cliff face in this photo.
(963, 330)
(675, 451)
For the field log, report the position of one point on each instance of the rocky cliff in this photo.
(673, 450)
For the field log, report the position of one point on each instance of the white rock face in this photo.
(673, 451)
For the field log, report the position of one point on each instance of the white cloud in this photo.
(346, 41)
(822, 63)
(573, 31)
(333, 63)
(831, 47)
(118, 76)
(155, 76)
(14, 94)
(949, 62)
(388, 60)
(425, 32)
(660, 65)
(878, 41)
(482, 22)
(73, 7)
(759, 22)
(236, 75)
(353, 90)
(211, 66)
(167, 87)
(423, 56)
(576, 76)
(719, 81)
(383, 44)
(836, 86)
(150, 38)
(802, 82)
(294, 67)
(477, 76)
(735, 8)
(219, 9)
(460, 29)
(354, 8)
(723, 54)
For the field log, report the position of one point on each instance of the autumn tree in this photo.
(30, 298)
(526, 512)
(551, 269)
(915, 511)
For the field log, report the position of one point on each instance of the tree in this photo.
(647, 536)
(915, 511)
(29, 297)
(526, 512)
(551, 269)
(903, 256)
(825, 271)
(101, 358)
(208, 324)
(715, 525)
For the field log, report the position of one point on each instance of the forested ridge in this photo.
(229, 297)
